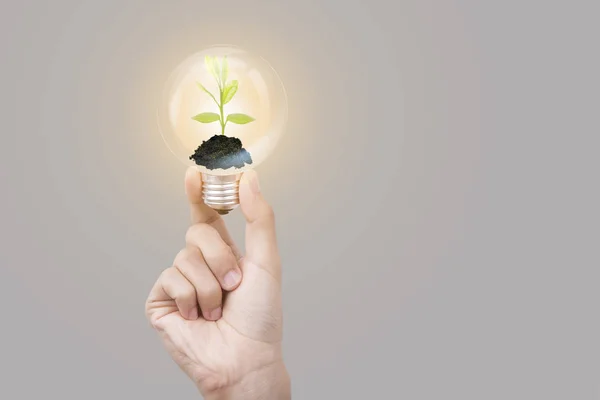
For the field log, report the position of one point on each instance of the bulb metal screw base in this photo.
(221, 193)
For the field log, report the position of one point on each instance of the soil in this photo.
(221, 151)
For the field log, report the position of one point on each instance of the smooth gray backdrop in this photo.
(436, 194)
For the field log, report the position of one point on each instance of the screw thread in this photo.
(221, 193)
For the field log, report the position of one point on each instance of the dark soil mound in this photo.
(221, 151)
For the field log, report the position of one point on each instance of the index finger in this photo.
(203, 214)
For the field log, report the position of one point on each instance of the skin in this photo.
(218, 311)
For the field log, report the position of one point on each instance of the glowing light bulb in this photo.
(223, 111)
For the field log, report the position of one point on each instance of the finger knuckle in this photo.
(165, 275)
(154, 316)
(197, 231)
(170, 283)
(210, 293)
(222, 262)
(184, 294)
(269, 213)
(148, 309)
(154, 320)
(186, 256)
(223, 252)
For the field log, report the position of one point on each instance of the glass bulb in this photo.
(223, 111)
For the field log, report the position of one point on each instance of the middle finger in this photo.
(190, 263)
(218, 255)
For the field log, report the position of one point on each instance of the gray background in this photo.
(436, 194)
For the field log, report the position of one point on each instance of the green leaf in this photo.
(217, 71)
(207, 117)
(210, 64)
(224, 70)
(239, 118)
(201, 86)
(229, 91)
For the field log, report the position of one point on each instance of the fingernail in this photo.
(216, 314)
(231, 278)
(193, 313)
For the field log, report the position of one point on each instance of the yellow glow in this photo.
(260, 94)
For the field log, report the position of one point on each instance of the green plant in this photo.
(220, 70)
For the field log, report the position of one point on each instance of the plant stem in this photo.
(221, 90)
(222, 119)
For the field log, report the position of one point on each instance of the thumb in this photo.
(261, 240)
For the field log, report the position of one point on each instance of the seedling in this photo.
(219, 70)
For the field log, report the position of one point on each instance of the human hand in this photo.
(218, 312)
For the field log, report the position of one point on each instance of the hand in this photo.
(218, 312)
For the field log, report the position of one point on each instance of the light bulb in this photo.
(223, 111)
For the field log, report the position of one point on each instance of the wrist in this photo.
(271, 382)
